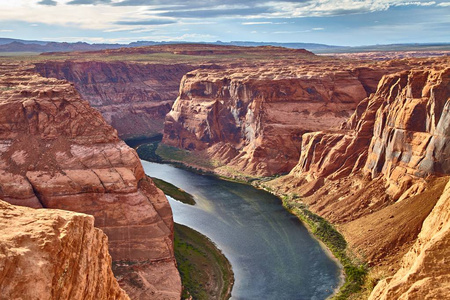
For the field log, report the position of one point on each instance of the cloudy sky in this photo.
(345, 22)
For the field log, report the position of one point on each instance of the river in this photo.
(272, 254)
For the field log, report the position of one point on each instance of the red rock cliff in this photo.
(58, 152)
(53, 254)
(253, 118)
(400, 132)
(379, 178)
(132, 97)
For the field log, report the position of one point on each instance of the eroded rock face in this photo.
(381, 174)
(400, 133)
(53, 254)
(133, 97)
(58, 152)
(425, 271)
(412, 130)
(255, 117)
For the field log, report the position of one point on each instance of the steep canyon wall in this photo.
(132, 97)
(252, 119)
(381, 174)
(58, 152)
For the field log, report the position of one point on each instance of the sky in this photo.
(346, 22)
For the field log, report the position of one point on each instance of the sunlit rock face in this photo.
(254, 117)
(400, 132)
(53, 254)
(424, 271)
(58, 152)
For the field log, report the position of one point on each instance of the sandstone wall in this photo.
(58, 152)
(254, 117)
(53, 254)
(379, 177)
(399, 132)
(132, 97)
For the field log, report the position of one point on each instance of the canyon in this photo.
(361, 142)
(58, 152)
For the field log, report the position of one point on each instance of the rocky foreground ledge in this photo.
(54, 254)
(58, 152)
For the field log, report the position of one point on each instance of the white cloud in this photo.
(416, 3)
(107, 17)
(318, 28)
(6, 30)
(256, 23)
(101, 17)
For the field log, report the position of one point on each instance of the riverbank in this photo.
(205, 271)
(354, 272)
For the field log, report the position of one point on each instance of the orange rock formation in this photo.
(424, 272)
(252, 118)
(58, 152)
(53, 254)
(378, 178)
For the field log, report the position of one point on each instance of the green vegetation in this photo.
(148, 152)
(173, 191)
(169, 153)
(205, 271)
(355, 273)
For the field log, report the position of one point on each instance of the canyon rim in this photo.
(344, 117)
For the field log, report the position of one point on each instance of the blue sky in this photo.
(346, 22)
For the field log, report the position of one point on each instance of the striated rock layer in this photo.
(381, 174)
(53, 254)
(58, 152)
(133, 97)
(253, 118)
(400, 132)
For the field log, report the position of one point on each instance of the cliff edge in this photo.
(53, 254)
(58, 152)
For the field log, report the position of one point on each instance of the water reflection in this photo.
(272, 254)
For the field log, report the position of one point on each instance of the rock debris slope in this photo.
(425, 270)
(53, 254)
(58, 152)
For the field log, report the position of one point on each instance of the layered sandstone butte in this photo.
(58, 152)
(425, 270)
(381, 174)
(53, 254)
(133, 97)
(253, 118)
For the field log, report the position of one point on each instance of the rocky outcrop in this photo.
(400, 132)
(381, 174)
(133, 97)
(58, 152)
(425, 271)
(252, 119)
(53, 254)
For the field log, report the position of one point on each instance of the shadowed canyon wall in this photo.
(58, 152)
(71, 255)
(133, 97)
